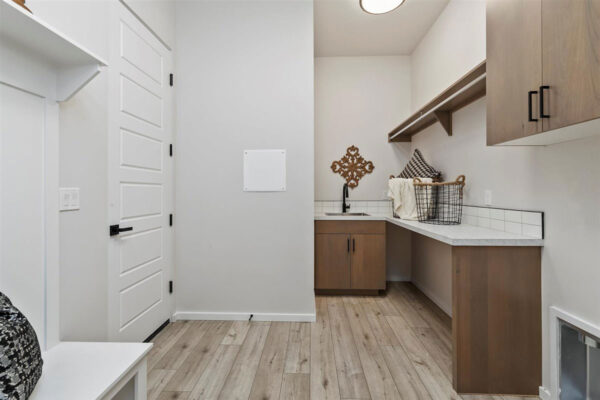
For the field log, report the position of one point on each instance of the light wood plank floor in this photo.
(396, 346)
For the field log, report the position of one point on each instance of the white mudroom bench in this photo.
(90, 371)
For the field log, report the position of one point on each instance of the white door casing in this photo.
(140, 174)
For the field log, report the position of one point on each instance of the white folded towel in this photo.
(402, 192)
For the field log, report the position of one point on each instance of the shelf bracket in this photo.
(445, 118)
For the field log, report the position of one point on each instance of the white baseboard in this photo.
(216, 316)
(544, 393)
(445, 307)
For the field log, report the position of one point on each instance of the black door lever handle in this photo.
(115, 229)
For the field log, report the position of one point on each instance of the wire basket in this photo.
(440, 202)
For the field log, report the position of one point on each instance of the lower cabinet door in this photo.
(332, 261)
(367, 262)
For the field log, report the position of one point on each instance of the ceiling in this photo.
(342, 28)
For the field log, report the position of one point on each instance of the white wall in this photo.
(453, 45)
(563, 180)
(358, 100)
(244, 81)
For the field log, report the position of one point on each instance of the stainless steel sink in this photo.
(348, 214)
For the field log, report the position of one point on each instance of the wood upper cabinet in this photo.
(514, 68)
(571, 60)
(546, 51)
(350, 255)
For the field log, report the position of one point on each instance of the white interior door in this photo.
(140, 179)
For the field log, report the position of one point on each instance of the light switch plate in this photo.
(69, 199)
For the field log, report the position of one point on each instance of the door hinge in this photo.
(170, 219)
(170, 286)
(171, 79)
(171, 150)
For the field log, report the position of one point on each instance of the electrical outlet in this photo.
(69, 199)
(487, 197)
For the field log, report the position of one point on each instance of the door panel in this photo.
(140, 297)
(332, 261)
(140, 151)
(571, 60)
(368, 262)
(140, 179)
(138, 101)
(514, 67)
(141, 54)
(139, 200)
(140, 249)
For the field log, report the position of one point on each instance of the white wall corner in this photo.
(545, 393)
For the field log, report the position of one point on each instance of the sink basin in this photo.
(348, 214)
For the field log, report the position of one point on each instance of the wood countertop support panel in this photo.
(497, 321)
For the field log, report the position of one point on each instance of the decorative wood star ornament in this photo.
(352, 166)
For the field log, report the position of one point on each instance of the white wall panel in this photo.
(22, 203)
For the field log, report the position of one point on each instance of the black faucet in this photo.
(345, 206)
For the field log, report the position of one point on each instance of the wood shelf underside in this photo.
(464, 91)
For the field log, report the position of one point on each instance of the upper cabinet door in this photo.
(571, 59)
(514, 68)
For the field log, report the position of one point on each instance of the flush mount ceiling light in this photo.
(380, 6)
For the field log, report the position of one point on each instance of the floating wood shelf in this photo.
(464, 91)
(27, 40)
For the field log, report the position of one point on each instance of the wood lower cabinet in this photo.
(543, 66)
(332, 255)
(367, 262)
(350, 255)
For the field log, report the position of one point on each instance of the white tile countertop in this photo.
(454, 235)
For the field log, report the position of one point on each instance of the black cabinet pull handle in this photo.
(542, 115)
(353, 245)
(115, 229)
(348, 245)
(529, 101)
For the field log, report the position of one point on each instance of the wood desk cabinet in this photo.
(350, 255)
(497, 319)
